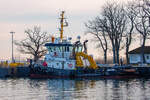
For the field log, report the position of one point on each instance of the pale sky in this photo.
(18, 15)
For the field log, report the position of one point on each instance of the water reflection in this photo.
(78, 89)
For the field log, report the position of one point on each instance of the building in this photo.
(135, 55)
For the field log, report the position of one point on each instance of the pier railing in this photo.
(15, 64)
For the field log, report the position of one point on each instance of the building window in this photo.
(134, 58)
(147, 57)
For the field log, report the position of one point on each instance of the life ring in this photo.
(44, 64)
(70, 65)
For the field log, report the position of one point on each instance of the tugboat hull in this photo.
(102, 72)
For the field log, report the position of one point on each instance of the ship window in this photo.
(76, 49)
(60, 48)
(70, 48)
(67, 49)
(57, 49)
(80, 49)
(54, 48)
(49, 49)
(63, 49)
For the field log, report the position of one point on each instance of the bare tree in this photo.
(33, 44)
(131, 15)
(146, 7)
(142, 22)
(96, 29)
(115, 26)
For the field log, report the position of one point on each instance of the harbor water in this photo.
(74, 89)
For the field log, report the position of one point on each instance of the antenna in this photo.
(62, 24)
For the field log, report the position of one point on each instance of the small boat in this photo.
(66, 59)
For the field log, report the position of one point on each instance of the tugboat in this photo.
(65, 59)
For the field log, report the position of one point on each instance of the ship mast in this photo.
(62, 24)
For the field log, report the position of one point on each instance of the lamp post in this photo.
(12, 45)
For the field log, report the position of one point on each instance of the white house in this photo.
(136, 57)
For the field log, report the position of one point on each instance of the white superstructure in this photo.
(62, 54)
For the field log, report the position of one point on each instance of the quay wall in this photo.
(19, 71)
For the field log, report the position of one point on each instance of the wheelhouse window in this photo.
(50, 49)
(78, 49)
(70, 48)
(63, 49)
(67, 48)
(57, 48)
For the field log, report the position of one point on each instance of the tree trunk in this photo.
(36, 58)
(127, 50)
(142, 50)
(117, 51)
(114, 55)
(117, 56)
(105, 56)
(127, 56)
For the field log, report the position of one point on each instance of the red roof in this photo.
(138, 50)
